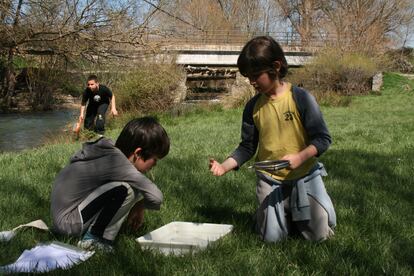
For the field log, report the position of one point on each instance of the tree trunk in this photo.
(10, 75)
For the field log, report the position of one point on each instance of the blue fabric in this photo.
(299, 202)
(311, 185)
(275, 216)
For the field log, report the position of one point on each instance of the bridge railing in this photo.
(237, 37)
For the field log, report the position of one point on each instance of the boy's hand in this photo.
(295, 160)
(114, 112)
(136, 216)
(216, 168)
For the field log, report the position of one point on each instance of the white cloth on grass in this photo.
(47, 257)
(8, 235)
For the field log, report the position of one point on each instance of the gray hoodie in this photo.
(97, 163)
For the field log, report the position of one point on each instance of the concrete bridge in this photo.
(215, 48)
(211, 69)
(220, 55)
(228, 56)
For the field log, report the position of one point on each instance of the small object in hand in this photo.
(270, 165)
(77, 128)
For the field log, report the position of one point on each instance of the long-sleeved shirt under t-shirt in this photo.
(280, 126)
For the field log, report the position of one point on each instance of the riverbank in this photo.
(21, 103)
(66, 102)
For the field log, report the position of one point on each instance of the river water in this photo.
(25, 131)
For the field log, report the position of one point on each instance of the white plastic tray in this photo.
(183, 237)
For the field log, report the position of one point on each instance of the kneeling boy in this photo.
(103, 183)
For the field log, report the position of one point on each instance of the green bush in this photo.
(332, 71)
(72, 89)
(149, 88)
(21, 62)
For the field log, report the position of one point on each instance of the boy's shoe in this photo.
(92, 242)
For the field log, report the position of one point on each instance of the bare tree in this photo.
(407, 28)
(304, 16)
(220, 20)
(191, 17)
(71, 29)
(368, 25)
(353, 24)
(9, 75)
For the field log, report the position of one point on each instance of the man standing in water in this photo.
(98, 97)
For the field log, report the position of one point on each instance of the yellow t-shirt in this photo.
(281, 132)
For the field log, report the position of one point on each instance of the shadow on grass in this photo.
(372, 193)
(372, 175)
(378, 191)
(21, 204)
(33, 205)
(218, 199)
(226, 215)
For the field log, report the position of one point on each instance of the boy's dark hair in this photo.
(145, 133)
(93, 77)
(259, 55)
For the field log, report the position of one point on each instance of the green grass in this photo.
(370, 167)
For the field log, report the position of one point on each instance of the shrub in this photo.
(71, 88)
(332, 74)
(151, 88)
(241, 93)
(41, 83)
(401, 60)
(44, 84)
(331, 98)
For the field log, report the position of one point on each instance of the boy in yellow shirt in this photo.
(282, 123)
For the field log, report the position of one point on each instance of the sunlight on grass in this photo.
(370, 167)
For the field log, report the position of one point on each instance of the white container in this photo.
(183, 237)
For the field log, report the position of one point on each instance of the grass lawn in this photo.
(371, 182)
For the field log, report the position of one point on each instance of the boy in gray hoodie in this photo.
(105, 183)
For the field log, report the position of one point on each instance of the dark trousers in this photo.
(97, 112)
(104, 207)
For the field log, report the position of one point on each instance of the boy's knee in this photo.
(275, 236)
(318, 235)
(271, 224)
(127, 191)
(122, 190)
(100, 118)
(316, 229)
